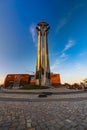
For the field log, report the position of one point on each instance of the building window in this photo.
(31, 77)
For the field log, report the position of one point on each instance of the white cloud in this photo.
(69, 45)
(63, 56)
(75, 8)
(78, 66)
(61, 24)
(72, 72)
(83, 54)
(32, 30)
(65, 20)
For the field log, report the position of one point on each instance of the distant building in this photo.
(16, 80)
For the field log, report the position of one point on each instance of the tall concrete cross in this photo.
(42, 66)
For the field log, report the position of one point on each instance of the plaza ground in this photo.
(24, 110)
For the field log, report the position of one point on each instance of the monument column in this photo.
(38, 66)
(43, 74)
(42, 67)
(47, 66)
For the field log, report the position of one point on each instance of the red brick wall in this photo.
(55, 79)
(25, 79)
(11, 78)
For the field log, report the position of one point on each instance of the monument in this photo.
(42, 66)
(43, 76)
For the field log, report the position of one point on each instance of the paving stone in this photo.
(22, 122)
(80, 127)
(30, 129)
(3, 128)
(12, 128)
(68, 121)
(52, 128)
(28, 124)
(72, 129)
(43, 115)
(20, 127)
(7, 124)
(38, 128)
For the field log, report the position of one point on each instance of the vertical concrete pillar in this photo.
(38, 66)
(47, 62)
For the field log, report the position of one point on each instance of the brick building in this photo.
(21, 79)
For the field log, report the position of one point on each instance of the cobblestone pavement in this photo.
(56, 112)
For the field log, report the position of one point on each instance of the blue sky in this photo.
(67, 37)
